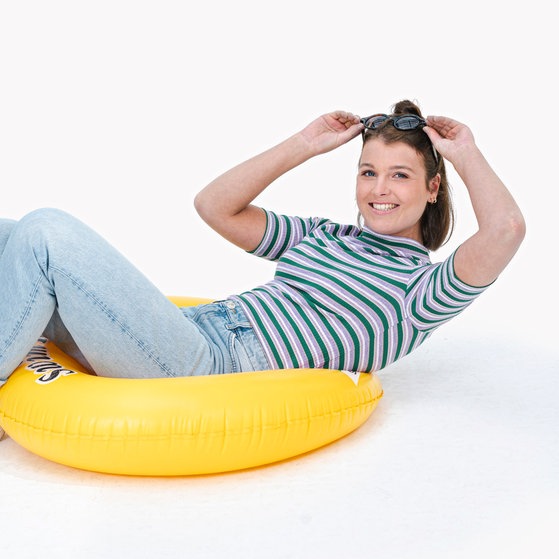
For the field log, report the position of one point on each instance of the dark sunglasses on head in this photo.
(400, 122)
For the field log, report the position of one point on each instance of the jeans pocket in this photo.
(240, 358)
(247, 353)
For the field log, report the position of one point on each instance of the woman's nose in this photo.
(380, 187)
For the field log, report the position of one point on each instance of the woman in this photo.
(344, 296)
(360, 298)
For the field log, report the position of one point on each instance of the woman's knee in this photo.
(49, 233)
(48, 224)
(59, 240)
(46, 217)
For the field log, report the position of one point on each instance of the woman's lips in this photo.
(384, 207)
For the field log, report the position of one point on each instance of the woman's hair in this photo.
(437, 221)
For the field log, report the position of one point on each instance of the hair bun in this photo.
(406, 107)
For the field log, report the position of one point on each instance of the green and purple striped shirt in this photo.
(348, 298)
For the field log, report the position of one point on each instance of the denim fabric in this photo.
(60, 279)
(234, 344)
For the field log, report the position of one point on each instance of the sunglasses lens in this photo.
(408, 122)
(374, 122)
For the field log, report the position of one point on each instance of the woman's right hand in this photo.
(226, 203)
(330, 131)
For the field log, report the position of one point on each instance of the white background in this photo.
(120, 111)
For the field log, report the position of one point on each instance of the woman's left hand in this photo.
(480, 259)
(448, 136)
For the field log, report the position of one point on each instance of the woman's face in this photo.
(392, 191)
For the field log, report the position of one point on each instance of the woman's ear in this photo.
(433, 188)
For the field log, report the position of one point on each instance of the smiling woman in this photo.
(391, 189)
(362, 297)
(344, 297)
(412, 165)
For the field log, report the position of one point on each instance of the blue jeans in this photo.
(60, 279)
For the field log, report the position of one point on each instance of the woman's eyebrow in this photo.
(394, 167)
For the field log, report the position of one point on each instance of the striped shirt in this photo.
(348, 298)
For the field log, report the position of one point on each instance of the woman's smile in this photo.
(383, 208)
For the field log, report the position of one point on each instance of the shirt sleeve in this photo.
(284, 232)
(438, 295)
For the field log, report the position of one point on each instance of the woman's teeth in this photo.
(384, 207)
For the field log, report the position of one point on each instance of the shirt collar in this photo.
(389, 245)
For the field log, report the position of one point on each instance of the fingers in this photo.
(432, 133)
(331, 130)
(346, 126)
(346, 118)
(441, 124)
(440, 120)
(351, 132)
(449, 129)
(446, 127)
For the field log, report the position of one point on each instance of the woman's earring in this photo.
(433, 201)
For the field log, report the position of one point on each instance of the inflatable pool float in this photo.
(178, 426)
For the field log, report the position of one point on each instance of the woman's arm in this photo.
(501, 228)
(226, 203)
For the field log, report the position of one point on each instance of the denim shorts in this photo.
(233, 343)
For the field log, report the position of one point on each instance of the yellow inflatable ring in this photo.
(178, 426)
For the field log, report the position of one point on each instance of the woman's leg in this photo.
(56, 329)
(6, 228)
(122, 324)
(57, 332)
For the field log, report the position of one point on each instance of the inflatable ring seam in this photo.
(206, 433)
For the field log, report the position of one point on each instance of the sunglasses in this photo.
(400, 122)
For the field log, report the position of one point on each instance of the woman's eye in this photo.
(401, 176)
(368, 173)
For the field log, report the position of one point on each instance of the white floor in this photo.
(119, 111)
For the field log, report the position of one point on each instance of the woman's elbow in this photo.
(518, 227)
(201, 205)
(513, 231)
